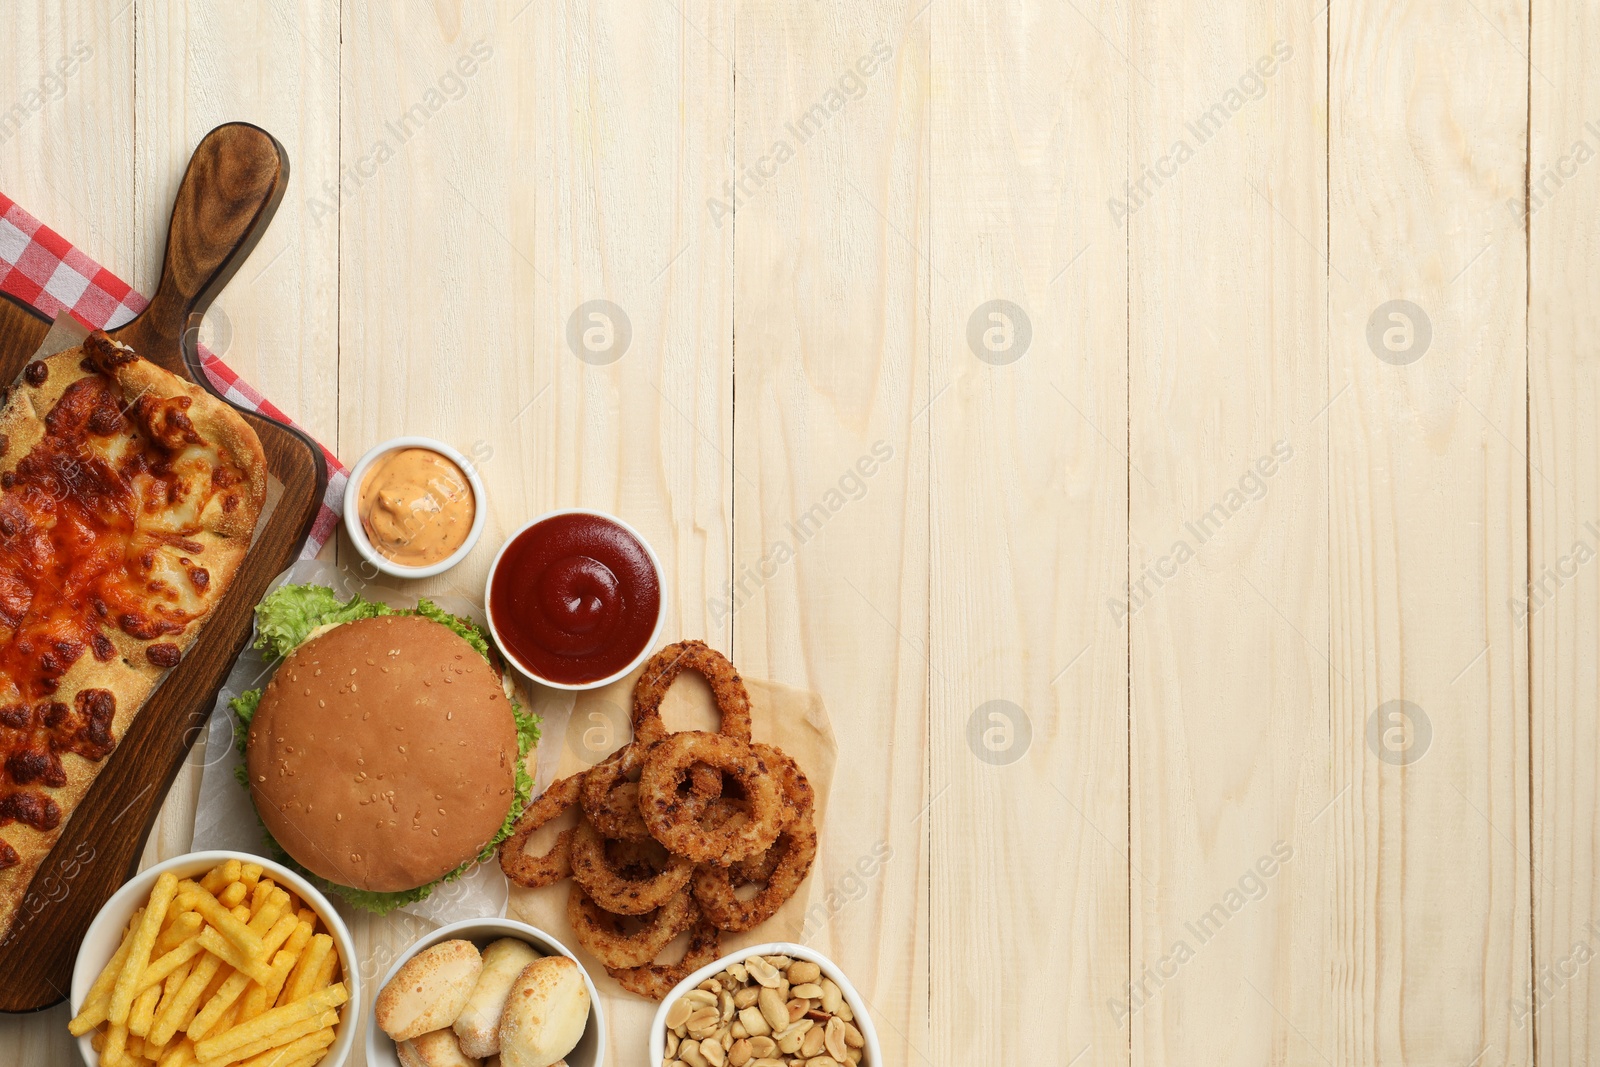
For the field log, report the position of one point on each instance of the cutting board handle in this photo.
(234, 183)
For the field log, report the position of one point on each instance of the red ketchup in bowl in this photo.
(575, 598)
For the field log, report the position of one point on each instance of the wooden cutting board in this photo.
(229, 193)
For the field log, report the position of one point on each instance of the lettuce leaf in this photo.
(244, 710)
(286, 617)
(284, 620)
(465, 628)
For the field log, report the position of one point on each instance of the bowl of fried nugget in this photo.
(216, 959)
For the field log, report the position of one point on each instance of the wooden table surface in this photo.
(1156, 429)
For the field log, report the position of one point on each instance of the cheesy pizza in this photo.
(128, 498)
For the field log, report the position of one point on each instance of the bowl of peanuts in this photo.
(771, 1005)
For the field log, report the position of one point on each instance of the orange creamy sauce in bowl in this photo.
(416, 507)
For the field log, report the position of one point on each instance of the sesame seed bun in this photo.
(383, 753)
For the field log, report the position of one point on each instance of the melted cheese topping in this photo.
(99, 528)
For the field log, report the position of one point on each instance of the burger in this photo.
(386, 754)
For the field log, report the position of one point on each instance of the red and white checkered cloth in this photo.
(41, 268)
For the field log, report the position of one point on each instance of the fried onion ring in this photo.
(782, 868)
(801, 799)
(789, 860)
(536, 871)
(601, 933)
(797, 791)
(611, 800)
(655, 981)
(612, 889)
(672, 821)
(727, 689)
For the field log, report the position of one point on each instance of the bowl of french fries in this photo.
(216, 959)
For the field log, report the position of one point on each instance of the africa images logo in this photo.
(846, 89)
(1250, 87)
(451, 86)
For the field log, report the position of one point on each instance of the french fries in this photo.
(181, 929)
(302, 980)
(253, 964)
(98, 1002)
(266, 1026)
(144, 939)
(225, 970)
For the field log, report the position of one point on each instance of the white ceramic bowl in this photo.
(655, 633)
(352, 508)
(105, 934)
(872, 1052)
(591, 1047)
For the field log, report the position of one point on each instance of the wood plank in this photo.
(646, 436)
(276, 322)
(1559, 607)
(1028, 417)
(275, 65)
(1428, 533)
(66, 155)
(518, 166)
(829, 585)
(1228, 608)
(66, 122)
